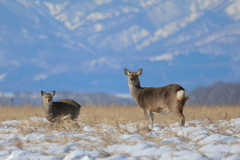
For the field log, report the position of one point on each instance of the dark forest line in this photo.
(218, 93)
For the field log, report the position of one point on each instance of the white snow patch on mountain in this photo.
(42, 36)
(128, 9)
(146, 3)
(233, 10)
(163, 57)
(94, 16)
(2, 76)
(55, 9)
(40, 76)
(100, 2)
(169, 29)
(126, 38)
(101, 62)
(98, 27)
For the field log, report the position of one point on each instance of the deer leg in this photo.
(183, 120)
(180, 116)
(149, 117)
(177, 109)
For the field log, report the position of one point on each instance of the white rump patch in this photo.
(181, 95)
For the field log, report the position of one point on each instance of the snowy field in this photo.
(36, 139)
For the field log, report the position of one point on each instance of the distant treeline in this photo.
(35, 99)
(219, 93)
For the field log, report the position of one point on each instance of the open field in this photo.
(125, 114)
(117, 132)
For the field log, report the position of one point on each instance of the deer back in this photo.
(66, 106)
(161, 97)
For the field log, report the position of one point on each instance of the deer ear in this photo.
(126, 71)
(139, 72)
(53, 93)
(42, 93)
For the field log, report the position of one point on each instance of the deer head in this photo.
(48, 97)
(133, 77)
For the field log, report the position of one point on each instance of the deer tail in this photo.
(182, 95)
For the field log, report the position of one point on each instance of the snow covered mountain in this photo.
(84, 45)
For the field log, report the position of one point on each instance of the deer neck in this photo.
(134, 91)
(48, 108)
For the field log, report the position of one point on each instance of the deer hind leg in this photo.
(75, 113)
(149, 117)
(181, 118)
(178, 112)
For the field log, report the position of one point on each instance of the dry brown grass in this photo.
(114, 116)
(125, 114)
(19, 113)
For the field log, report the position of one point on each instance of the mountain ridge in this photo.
(64, 44)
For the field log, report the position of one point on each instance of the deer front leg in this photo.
(149, 117)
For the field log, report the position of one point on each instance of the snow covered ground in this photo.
(36, 139)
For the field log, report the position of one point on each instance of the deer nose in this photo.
(48, 100)
(131, 79)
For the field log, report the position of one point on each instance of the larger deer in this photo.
(58, 109)
(162, 100)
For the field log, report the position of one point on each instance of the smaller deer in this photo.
(161, 100)
(58, 109)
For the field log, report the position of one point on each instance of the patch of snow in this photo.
(55, 9)
(40, 76)
(71, 26)
(98, 16)
(227, 40)
(42, 37)
(125, 38)
(163, 57)
(58, 150)
(169, 29)
(146, 3)
(24, 2)
(100, 2)
(98, 27)
(2, 76)
(134, 137)
(88, 128)
(213, 148)
(119, 157)
(233, 10)
(199, 140)
(214, 138)
(128, 9)
(80, 153)
(22, 155)
(38, 137)
(102, 61)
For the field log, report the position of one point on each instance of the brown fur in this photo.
(161, 100)
(56, 110)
